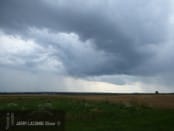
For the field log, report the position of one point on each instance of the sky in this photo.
(87, 46)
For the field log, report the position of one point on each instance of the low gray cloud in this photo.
(91, 38)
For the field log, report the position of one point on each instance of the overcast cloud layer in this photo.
(112, 42)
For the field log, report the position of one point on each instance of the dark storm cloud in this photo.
(124, 30)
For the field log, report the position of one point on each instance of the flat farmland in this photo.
(149, 100)
(103, 112)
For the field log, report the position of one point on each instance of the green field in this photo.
(86, 115)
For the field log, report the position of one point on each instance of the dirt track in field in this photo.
(150, 100)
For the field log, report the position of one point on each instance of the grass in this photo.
(84, 115)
